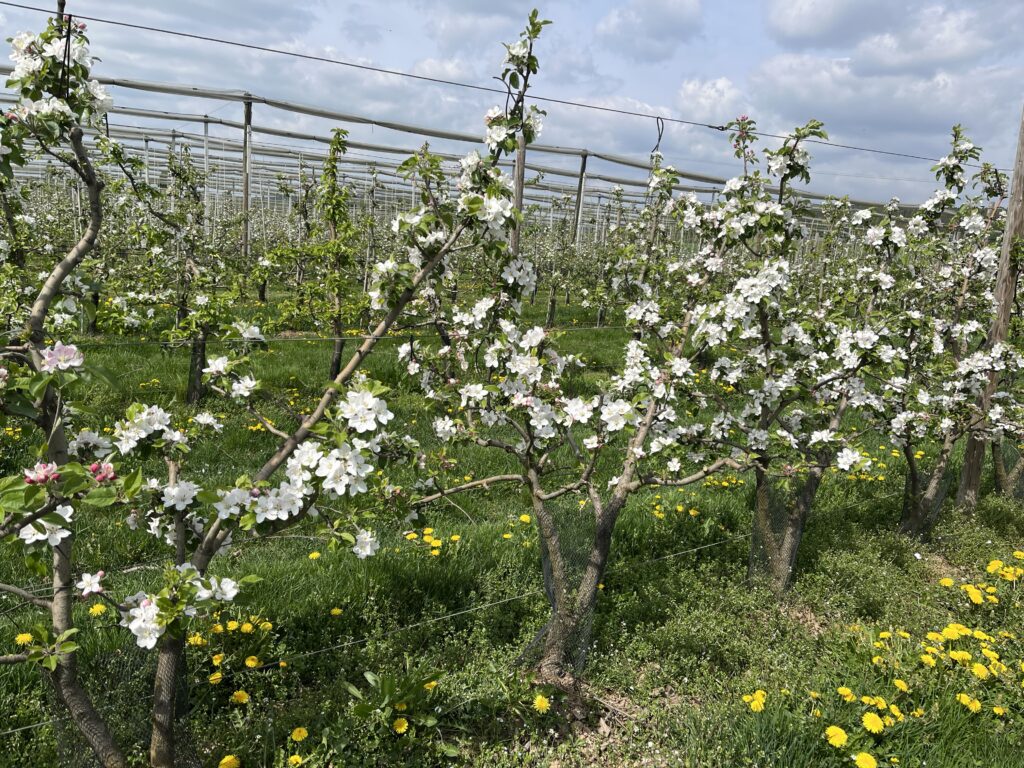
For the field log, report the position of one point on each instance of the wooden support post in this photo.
(1006, 287)
(246, 161)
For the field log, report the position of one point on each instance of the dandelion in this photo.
(266, 626)
(196, 640)
(299, 734)
(23, 638)
(215, 678)
(217, 659)
(969, 702)
(756, 700)
(836, 736)
(456, 537)
(232, 626)
(240, 697)
(98, 609)
(400, 726)
(541, 703)
(229, 761)
(864, 760)
(846, 694)
(335, 611)
(927, 660)
(295, 760)
(901, 685)
(872, 723)
(430, 686)
(980, 671)
(999, 711)
(248, 628)
(525, 519)
(252, 662)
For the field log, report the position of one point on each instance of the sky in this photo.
(888, 74)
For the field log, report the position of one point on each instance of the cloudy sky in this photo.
(890, 74)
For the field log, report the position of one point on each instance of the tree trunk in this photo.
(999, 467)
(920, 519)
(196, 390)
(169, 671)
(549, 320)
(777, 533)
(65, 677)
(261, 291)
(337, 354)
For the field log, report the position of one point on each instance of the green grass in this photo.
(678, 637)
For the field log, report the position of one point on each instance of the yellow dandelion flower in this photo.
(98, 609)
(524, 519)
(229, 761)
(430, 686)
(836, 736)
(456, 537)
(233, 625)
(980, 671)
(541, 703)
(401, 706)
(240, 697)
(864, 760)
(196, 640)
(266, 626)
(299, 734)
(901, 685)
(846, 693)
(335, 611)
(872, 723)
(23, 638)
(400, 726)
(252, 662)
(295, 760)
(215, 678)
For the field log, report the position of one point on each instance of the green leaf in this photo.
(103, 496)
(132, 484)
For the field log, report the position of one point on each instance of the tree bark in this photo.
(196, 390)
(919, 521)
(777, 533)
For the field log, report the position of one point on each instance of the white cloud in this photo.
(823, 23)
(714, 101)
(650, 30)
